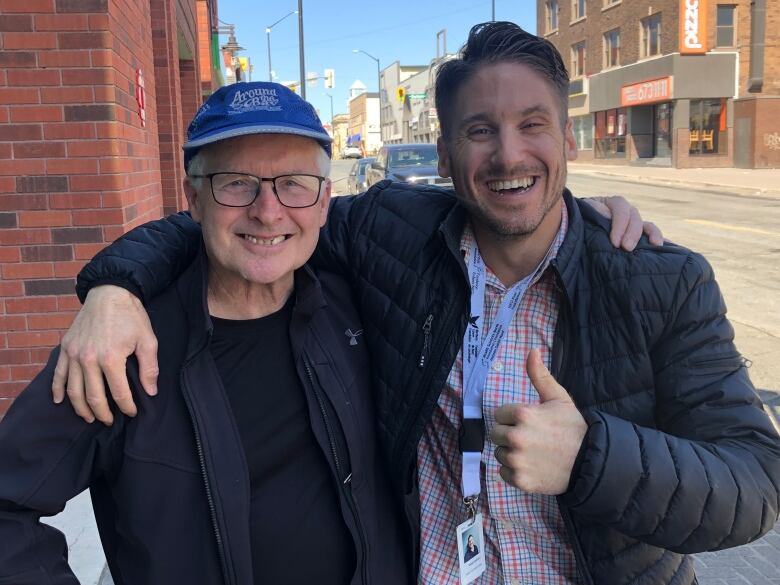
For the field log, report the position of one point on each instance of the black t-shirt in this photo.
(297, 529)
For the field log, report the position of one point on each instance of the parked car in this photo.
(351, 152)
(356, 181)
(409, 163)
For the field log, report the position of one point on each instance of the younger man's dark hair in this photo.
(499, 42)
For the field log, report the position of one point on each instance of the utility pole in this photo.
(300, 48)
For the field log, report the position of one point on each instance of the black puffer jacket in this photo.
(679, 456)
(170, 487)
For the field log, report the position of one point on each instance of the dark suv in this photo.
(409, 163)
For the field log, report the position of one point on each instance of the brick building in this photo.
(94, 100)
(684, 83)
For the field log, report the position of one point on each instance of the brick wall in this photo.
(166, 76)
(77, 169)
(626, 16)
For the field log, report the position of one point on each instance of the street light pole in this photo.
(268, 36)
(300, 48)
(331, 109)
(378, 86)
(494, 11)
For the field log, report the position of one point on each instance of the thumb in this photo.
(547, 387)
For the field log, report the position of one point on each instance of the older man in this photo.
(257, 462)
(654, 444)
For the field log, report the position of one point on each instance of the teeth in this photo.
(264, 242)
(520, 183)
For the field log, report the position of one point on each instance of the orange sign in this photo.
(693, 27)
(646, 92)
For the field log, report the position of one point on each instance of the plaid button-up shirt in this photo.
(525, 537)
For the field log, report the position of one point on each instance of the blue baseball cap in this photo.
(256, 107)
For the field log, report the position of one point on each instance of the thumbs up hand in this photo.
(538, 443)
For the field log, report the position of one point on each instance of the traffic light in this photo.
(330, 75)
(400, 94)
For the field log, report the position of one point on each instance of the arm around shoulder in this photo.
(146, 259)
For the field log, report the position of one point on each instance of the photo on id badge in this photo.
(471, 550)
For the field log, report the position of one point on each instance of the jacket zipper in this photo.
(426, 341)
(346, 483)
(207, 485)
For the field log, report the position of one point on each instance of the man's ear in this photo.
(444, 159)
(325, 201)
(193, 199)
(570, 142)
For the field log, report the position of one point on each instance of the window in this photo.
(725, 26)
(577, 9)
(577, 60)
(612, 48)
(611, 129)
(651, 36)
(608, 3)
(708, 133)
(582, 127)
(551, 15)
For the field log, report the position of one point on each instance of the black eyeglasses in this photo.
(241, 190)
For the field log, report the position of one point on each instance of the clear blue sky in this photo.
(394, 30)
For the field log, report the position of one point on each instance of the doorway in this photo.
(662, 130)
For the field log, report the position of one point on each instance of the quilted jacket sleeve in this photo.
(708, 477)
(146, 259)
(47, 456)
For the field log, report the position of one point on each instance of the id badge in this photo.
(471, 549)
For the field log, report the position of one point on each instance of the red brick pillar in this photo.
(77, 169)
(169, 110)
(191, 97)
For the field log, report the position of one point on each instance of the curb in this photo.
(761, 193)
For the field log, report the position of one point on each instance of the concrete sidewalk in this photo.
(764, 183)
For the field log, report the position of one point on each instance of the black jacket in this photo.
(170, 487)
(679, 456)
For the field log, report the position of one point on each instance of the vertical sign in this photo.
(693, 27)
(140, 96)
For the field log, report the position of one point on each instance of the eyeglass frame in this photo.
(261, 180)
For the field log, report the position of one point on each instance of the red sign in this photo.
(140, 96)
(646, 92)
(693, 27)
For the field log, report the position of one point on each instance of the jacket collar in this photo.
(566, 261)
(192, 289)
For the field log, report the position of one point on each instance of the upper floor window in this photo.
(725, 26)
(577, 60)
(608, 3)
(651, 36)
(612, 48)
(577, 9)
(551, 15)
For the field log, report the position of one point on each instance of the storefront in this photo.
(675, 110)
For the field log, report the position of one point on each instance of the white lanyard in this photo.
(479, 354)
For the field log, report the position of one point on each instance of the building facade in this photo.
(683, 83)
(364, 122)
(95, 96)
(340, 133)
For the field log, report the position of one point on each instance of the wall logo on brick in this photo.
(140, 96)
